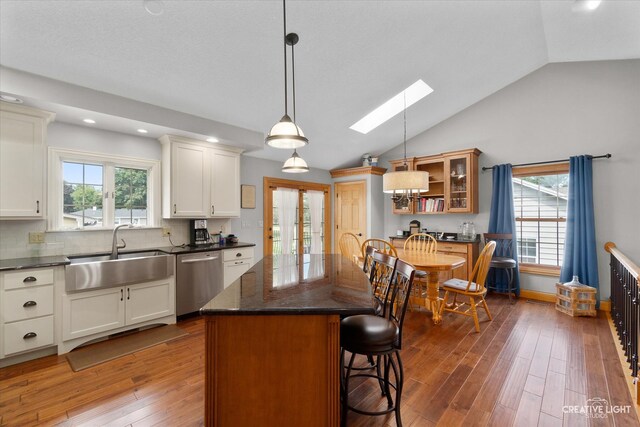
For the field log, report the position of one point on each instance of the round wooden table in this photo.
(433, 264)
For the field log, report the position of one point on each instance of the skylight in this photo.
(395, 105)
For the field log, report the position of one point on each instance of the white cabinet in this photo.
(22, 153)
(236, 262)
(199, 180)
(88, 313)
(94, 314)
(27, 308)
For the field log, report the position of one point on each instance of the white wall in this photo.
(252, 171)
(555, 112)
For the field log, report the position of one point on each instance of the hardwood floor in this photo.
(520, 370)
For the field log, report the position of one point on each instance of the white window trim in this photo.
(55, 188)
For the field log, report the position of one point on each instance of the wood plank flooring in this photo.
(522, 369)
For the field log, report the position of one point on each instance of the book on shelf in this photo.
(431, 204)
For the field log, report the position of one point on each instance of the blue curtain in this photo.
(502, 219)
(580, 241)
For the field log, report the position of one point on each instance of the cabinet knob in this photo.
(239, 254)
(29, 279)
(360, 234)
(30, 304)
(29, 335)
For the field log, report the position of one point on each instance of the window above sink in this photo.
(93, 191)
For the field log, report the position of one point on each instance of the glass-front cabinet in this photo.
(453, 183)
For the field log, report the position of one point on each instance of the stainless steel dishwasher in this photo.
(199, 278)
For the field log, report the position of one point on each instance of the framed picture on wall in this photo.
(248, 196)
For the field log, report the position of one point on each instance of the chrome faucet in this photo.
(114, 244)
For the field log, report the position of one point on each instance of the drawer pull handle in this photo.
(29, 335)
(238, 254)
(30, 304)
(239, 262)
(29, 279)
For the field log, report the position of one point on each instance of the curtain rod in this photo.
(604, 156)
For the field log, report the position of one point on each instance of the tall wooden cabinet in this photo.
(453, 183)
(199, 180)
(22, 161)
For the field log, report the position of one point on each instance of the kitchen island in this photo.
(273, 341)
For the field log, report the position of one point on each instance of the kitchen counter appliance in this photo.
(198, 232)
(200, 277)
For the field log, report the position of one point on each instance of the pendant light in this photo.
(295, 164)
(407, 184)
(286, 133)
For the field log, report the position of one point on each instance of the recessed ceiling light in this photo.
(395, 105)
(585, 5)
(154, 7)
(89, 121)
(9, 98)
(212, 139)
(143, 131)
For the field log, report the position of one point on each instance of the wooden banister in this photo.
(624, 260)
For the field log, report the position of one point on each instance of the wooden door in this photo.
(351, 210)
(271, 221)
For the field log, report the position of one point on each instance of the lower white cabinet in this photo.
(27, 310)
(95, 312)
(236, 262)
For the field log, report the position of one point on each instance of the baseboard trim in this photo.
(547, 297)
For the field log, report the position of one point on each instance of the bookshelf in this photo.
(453, 183)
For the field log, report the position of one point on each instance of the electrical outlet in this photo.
(166, 232)
(36, 237)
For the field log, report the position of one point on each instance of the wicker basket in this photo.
(576, 300)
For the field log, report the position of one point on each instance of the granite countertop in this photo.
(34, 262)
(51, 261)
(289, 284)
(202, 248)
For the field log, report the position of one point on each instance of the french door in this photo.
(297, 217)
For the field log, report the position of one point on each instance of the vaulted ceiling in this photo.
(222, 60)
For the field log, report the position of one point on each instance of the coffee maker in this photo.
(198, 232)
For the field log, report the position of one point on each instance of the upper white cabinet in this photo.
(22, 160)
(225, 183)
(199, 180)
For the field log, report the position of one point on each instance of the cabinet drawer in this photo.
(460, 248)
(28, 334)
(20, 304)
(22, 278)
(240, 253)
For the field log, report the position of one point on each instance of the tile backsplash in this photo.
(14, 238)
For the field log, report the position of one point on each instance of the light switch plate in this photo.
(36, 237)
(166, 232)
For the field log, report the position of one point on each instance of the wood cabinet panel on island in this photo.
(22, 160)
(199, 180)
(453, 183)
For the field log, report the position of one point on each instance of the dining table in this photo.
(433, 264)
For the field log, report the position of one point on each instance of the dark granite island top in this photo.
(288, 284)
(272, 341)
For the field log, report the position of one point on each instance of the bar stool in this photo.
(379, 336)
(504, 260)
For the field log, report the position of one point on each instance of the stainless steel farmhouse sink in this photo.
(90, 272)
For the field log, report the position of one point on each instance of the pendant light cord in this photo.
(293, 82)
(404, 116)
(284, 40)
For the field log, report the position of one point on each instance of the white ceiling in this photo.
(222, 60)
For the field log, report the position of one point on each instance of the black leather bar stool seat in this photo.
(502, 262)
(368, 334)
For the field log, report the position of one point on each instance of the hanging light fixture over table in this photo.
(286, 134)
(406, 184)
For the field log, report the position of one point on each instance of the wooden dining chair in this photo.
(350, 247)
(420, 242)
(380, 246)
(475, 288)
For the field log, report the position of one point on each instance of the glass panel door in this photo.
(458, 180)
